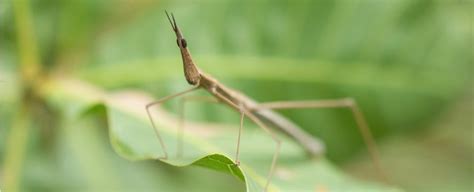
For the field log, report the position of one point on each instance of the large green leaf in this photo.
(132, 137)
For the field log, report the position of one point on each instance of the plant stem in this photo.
(27, 47)
(30, 71)
(16, 147)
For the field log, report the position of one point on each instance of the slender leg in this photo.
(148, 106)
(276, 154)
(245, 111)
(242, 116)
(336, 103)
(181, 112)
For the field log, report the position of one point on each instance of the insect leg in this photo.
(336, 103)
(275, 138)
(237, 153)
(148, 106)
(245, 112)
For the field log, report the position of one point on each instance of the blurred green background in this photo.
(408, 64)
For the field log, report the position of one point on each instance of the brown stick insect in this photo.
(261, 114)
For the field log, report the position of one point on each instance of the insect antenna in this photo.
(173, 23)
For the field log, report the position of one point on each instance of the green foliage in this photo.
(133, 138)
(404, 61)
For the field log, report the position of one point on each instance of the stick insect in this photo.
(261, 114)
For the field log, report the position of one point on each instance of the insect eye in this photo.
(184, 43)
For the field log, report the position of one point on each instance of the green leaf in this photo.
(133, 138)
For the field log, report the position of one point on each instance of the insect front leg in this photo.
(162, 100)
